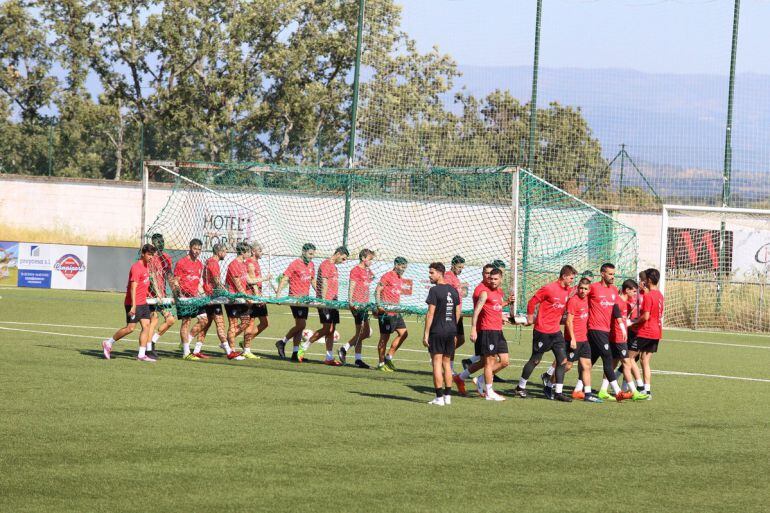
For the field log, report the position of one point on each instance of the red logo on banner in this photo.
(69, 265)
(406, 287)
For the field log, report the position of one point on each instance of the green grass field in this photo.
(83, 434)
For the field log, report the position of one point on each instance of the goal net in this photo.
(715, 264)
(423, 215)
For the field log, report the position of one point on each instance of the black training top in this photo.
(445, 298)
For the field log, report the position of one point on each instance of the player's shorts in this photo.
(544, 342)
(460, 329)
(300, 312)
(389, 323)
(490, 342)
(258, 310)
(441, 344)
(329, 315)
(619, 351)
(237, 310)
(582, 350)
(360, 316)
(142, 312)
(600, 344)
(213, 310)
(631, 337)
(644, 345)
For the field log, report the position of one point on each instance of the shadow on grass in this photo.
(387, 396)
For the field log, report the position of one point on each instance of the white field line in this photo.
(423, 361)
(666, 340)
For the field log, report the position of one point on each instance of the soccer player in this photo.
(161, 268)
(546, 334)
(328, 282)
(474, 363)
(451, 278)
(649, 326)
(361, 278)
(601, 302)
(487, 334)
(238, 318)
(188, 274)
(212, 282)
(619, 345)
(137, 310)
(389, 291)
(256, 310)
(300, 275)
(440, 334)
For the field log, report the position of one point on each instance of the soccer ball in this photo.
(336, 336)
(306, 334)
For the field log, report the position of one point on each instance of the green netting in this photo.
(423, 215)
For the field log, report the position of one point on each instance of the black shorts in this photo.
(582, 350)
(159, 307)
(329, 315)
(544, 342)
(460, 329)
(142, 312)
(258, 310)
(600, 344)
(213, 310)
(300, 312)
(360, 316)
(490, 342)
(644, 345)
(441, 344)
(631, 337)
(237, 310)
(390, 323)
(619, 351)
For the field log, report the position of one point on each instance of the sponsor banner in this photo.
(69, 267)
(9, 263)
(52, 266)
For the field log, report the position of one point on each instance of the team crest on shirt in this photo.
(572, 355)
(606, 347)
(539, 344)
(491, 347)
(623, 352)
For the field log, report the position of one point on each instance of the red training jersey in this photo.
(579, 310)
(237, 271)
(328, 274)
(300, 276)
(552, 299)
(363, 278)
(159, 267)
(211, 275)
(256, 289)
(451, 279)
(188, 273)
(652, 328)
(140, 274)
(481, 287)
(619, 331)
(601, 300)
(391, 288)
(491, 315)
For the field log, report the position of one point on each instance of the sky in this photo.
(655, 36)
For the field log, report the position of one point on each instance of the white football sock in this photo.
(198, 347)
(142, 351)
(305, 345)
(359, 356)
(579, 386)
(149, 346)
(605, 385)
(186, 348)
(550, 371)
(587, 390)
(615, 387)
(559, 387)
(346, 346)
(639, 383)
(388, 357)
(522, 383)
(329, 355)
(155, 338)
(110, 341)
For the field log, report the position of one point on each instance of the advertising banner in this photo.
(34, 265)
(52, 266)
(9, 261)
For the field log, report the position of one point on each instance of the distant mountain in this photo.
(673, 125)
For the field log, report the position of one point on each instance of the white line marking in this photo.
(423, 361)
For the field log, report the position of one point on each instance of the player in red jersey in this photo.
(300, 276)
(551, 301)
(451, 278)
(236, 280)
(328, 282)
(649, 326)
(487, 333)
(601, 301)
(137, 310)
(389, 291)
(188, 274)
(258, 311)
(361, 278)
(619, 342)
(212, 282)
(161, 270)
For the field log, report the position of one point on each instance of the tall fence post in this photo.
(50, 148)
(533, 101)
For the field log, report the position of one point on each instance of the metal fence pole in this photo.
(533, 101)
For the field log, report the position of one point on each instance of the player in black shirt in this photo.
(444, 308)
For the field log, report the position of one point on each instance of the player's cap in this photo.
(309, 246)
(457, 259)
(400, 261)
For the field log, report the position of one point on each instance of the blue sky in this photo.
(656, 36)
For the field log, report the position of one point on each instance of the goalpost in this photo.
(715, 265)
(425, 215)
